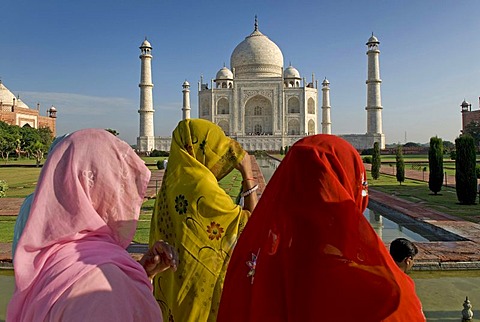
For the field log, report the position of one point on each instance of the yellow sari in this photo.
(193, 213)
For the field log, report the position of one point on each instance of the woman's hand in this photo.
(160, 257)
(245, 167)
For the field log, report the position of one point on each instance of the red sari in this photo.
(309, 254)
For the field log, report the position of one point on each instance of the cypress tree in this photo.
(376, 162)
(435, 163)
(400, 165)
(465, 176)
(281, 151)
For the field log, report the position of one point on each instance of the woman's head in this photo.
(332, 166)
(91, 178)
(208, 144)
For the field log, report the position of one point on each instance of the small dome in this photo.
(224, 73)
(145, 44)
(291, 72)
(325, 82)
(185, 84)
(372, 40)
(52, 109)
(465, 104)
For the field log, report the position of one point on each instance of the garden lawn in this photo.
(418, 192)
(21, 180)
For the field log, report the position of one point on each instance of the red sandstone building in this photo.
(14, 111)
(469, 116)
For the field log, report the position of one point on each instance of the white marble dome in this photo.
(224, 73)
(257, 56)
(291, 72)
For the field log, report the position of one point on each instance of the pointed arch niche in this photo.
(258, 116)
(223, 107)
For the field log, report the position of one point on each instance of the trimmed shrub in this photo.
(435, 163)
(376, 161)
(160, 164)
(367, 159)
(465, 174)
(400, 165)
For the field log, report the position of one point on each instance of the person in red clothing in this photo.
(309, 254)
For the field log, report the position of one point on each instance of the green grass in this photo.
(418, 192)
(7, 223)
(21, 181)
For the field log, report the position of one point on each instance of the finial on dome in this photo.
(256, 23)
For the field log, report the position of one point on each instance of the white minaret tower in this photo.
(374, 97)
(146, 139)
(326, 121)
(186, 100)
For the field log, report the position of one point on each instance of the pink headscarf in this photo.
(84, 214)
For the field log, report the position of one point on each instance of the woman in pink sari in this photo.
(70, 262)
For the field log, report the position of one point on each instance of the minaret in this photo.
(146, 139)
(374, 97)
(326, 122)
(186, 100)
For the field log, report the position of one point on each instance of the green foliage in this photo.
(477, 170)
(24, 141)
(453, 155)
(114, 132)
(448, 146)
(286, 149)
(157, 153)
(411, 144)
(160, 164)
(435, 163)
(376, 161)
(473, 129)
(465, 174)
(3, 189)
(367, 159)
(282, 152)
(400, 174)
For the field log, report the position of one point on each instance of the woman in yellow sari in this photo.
(194, 214)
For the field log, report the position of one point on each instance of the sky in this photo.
(83, 58)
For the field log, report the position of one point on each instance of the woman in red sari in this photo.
(309, 254)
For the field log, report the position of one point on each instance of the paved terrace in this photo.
(463, 253)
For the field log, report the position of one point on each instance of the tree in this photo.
(465, 175)
(435, 163)
(400, 165)
(473, 129)
(114, 132)
(411, 144)
(448, 146)
(376, 161)
(281, 151)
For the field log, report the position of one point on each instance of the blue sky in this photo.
(82, 57)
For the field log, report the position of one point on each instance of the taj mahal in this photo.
(261, 104)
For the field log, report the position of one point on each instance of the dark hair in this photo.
(402, 248)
